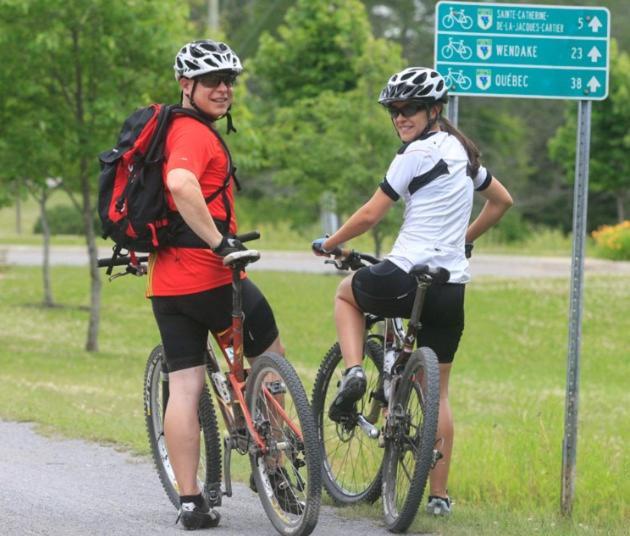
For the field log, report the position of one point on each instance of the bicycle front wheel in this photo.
(410, 438)
(287, 472)
(155, 401)
(350, 459)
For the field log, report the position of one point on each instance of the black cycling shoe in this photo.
(197, 516)
(351, 389)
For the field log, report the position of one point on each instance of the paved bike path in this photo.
(512, 266)
(61, 487)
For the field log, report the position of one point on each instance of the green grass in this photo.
(507, 387)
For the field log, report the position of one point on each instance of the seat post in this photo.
(416, 311)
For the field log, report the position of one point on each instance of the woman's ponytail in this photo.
(471, 149)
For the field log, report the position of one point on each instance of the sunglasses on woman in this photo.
(212, 80)
(409, 110)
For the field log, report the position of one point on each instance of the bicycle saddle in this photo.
(243, 257)
(438, 275)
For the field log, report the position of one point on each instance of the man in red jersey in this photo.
(190, 289)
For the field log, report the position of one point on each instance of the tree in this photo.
(333, 139)
(410, 23)
(26, 132)
(317, 50)
(89, 63)
(610, 140)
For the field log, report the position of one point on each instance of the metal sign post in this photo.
(580, 208)
(535, 51)
(452, 109)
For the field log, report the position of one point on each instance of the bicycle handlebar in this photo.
(120, 261)
(126, 259)
(348, 259)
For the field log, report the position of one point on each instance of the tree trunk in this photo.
(621, 213)
(378, 242)
(91, 344)
(48, 298)
(18, 206)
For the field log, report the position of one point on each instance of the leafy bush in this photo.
(64, 220)
(613, 242)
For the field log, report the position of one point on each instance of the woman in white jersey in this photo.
(435, 173)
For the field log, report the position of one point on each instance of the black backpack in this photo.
(131, 199)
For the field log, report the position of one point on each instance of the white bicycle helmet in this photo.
(417, 84)
(205, 56)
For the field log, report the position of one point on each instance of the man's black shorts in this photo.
(386, 290)
(184, 322)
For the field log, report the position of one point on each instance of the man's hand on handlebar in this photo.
(228, 245)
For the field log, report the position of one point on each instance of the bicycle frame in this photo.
(230, 342)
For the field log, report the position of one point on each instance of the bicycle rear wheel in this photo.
(351, 461)
(410, 437)
(155, 400)
(288, 473)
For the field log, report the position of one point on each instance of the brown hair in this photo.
(471, 149)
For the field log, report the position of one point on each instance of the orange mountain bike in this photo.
(266, 414)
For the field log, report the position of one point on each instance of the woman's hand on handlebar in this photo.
(318, 248)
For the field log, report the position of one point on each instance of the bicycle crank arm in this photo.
(368, 428)
(227, 459)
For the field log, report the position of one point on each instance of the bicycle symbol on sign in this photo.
(458, 47)
(457, 80)
(458, 17)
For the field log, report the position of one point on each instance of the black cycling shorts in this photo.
(184, 322)
(386, 290)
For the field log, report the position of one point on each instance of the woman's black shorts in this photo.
(386, 290)
(184, 322)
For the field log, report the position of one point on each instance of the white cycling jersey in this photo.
(430, 175)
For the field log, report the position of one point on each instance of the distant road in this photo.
(303, 261)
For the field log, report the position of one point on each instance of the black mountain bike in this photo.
(387, 447)
(266, 414)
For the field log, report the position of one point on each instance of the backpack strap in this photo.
(231, 171)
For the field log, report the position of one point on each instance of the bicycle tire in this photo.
(347, 484)
(400, 506)
(292, 506)
(210, 452)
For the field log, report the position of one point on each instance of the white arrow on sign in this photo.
(595, 24)
(593, 84)
(594, 54)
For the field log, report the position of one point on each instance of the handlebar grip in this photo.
(120, 261)
(248, 237)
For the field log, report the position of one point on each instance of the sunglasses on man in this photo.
(409, 110)
(213, 80)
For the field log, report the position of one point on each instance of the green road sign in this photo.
(523, 50)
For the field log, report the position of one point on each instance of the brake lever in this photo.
(339, 264)
(137, 270)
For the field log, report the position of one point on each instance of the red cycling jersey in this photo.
(175, 271)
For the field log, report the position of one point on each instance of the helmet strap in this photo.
(228, 115)
(431, 121)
